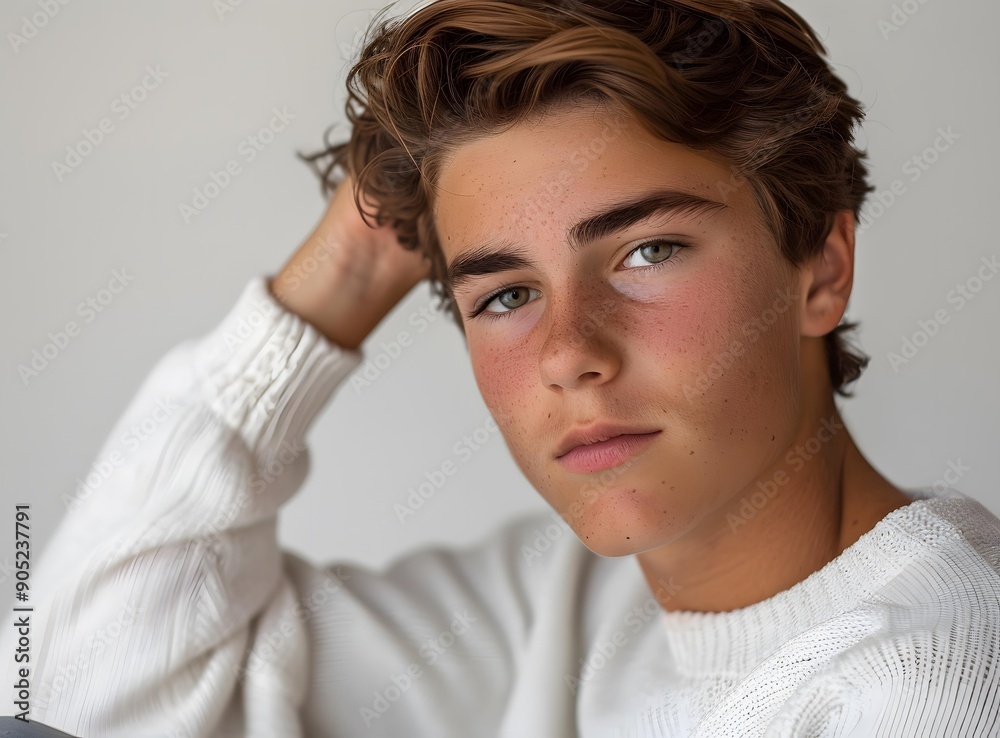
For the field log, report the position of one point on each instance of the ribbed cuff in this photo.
(267, 371)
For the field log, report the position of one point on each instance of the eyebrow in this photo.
(501, 255)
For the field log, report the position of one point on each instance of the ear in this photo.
(826, 279)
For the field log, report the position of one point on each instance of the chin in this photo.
(626, 520)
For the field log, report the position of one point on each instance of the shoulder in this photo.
(974, 524)
(935, 652)
(928, 663)
(939, 677)
(940, 556)
(927, 669)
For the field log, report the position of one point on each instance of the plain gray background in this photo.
(916, 66)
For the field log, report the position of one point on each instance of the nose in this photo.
(580, 347)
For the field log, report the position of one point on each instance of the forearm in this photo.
(347, 275)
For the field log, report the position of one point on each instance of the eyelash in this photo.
(481, 310)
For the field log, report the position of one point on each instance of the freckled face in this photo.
(698, 337)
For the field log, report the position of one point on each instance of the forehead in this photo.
(547, 172)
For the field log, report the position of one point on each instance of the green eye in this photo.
(520, 297)
(656, 252)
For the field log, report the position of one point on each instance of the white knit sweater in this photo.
(165, 607)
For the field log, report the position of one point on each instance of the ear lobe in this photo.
(828, 277)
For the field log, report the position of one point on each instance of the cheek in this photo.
(681, 335)
(508, 382)
(743, 390)
(724, 354)
(503, 376)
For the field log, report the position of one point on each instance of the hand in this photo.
(347, 276)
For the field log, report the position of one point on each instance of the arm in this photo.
(149, 586)
(150, 590)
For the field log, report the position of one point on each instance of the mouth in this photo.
(594, 457)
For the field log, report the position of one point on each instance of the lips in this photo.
(596, 433)
(601, 455)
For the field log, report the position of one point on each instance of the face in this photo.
(682, 321)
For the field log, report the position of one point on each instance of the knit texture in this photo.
(164, 605)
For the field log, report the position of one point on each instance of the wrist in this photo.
(345, 308)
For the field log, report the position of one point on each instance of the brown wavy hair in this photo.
(744, 79)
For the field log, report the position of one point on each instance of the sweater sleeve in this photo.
(163, 603)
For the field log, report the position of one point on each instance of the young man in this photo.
(642, 218)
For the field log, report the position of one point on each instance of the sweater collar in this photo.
(737, 640)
